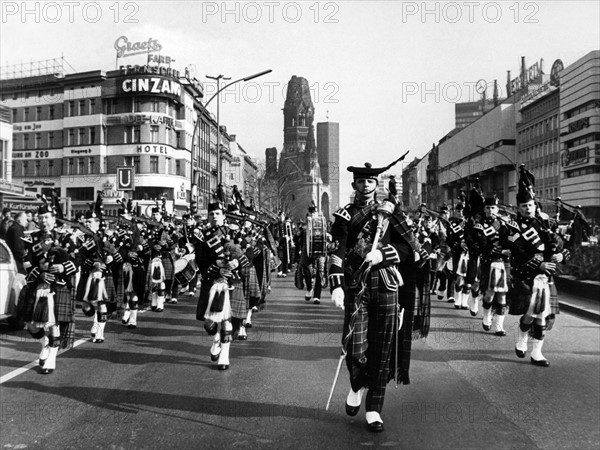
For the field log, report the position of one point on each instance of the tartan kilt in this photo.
(239, 304)
(168, 266)
(519, 295)
(250, 284)
(64, 304)
(485, 271)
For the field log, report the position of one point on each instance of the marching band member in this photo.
(490, 241)
(387, 269)
(47, 304)
(473, 213)
(99, 261)
(312, 264)
(160, 274)
(460, 258)
(133, 271)
(221, 291)
(535, 252)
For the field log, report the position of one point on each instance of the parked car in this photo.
(11, 283)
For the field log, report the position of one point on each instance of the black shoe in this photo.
(47, 371)
(307, 299)
(242, 338)
(375, 427)
(352, 410)
(97, 341)
(541, 362)
(473, 313)
(214, 357)
(158, 310)
(520, 354)
(131, 326)
(486, 327)
(500, 333)
(248, 325)
(440, 297)
(316, 301)
(154, 308)
(464, 307)
(450, 300)
(456, 306)
(223, 366)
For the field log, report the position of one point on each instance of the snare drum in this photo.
(179, 265)
(187, 273)
(316, 236)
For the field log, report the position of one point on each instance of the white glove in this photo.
(337, 297)
(233, 264)
(374, 257)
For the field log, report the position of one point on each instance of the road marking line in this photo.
(31, 365)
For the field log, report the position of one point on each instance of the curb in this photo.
(579, 311)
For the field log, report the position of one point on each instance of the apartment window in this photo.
(25, 141)
(128, 161)
(80, 166)
(70, 166)
(50, 168)
(25, 168)
(36, 168)
(104, 135)
(136, 134)
(127, 135)
(137, 104)
(81, 107)
(154, 105)
(178, 167)
(51, 112)
(92, 135)
(92, 166)
(71, 140)
(92, 109)
(167, 164)
(26, 115)
(72, 108)
(154, 133)
(154, 164)
(81, 140)
(14, 114)
(178, 137)
(136, 164)
(38, 113)
(38, 140)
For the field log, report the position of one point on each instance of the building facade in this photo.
(73, 132)
(328, 149)
(580, 134)
(538, 138)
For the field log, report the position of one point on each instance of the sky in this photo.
(388, 72)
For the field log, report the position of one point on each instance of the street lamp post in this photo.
(216, 94)
(196, 127)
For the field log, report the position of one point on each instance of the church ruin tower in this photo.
(299, 173)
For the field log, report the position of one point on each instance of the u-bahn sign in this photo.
(125, 178)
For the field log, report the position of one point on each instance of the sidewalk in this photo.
(579, 306)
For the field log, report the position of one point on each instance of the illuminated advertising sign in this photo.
(151, 85)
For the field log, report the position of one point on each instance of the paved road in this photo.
(155, 387)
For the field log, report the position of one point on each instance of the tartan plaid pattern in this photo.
(370, 346)
(519, 294)
(168, 266)
(250, 284)
(239, 304)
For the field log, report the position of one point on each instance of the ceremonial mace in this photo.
(384, 210)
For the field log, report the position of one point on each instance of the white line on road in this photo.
(31, 365)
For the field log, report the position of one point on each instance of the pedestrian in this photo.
(14, 241)
(384, 273)
(6, 222)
